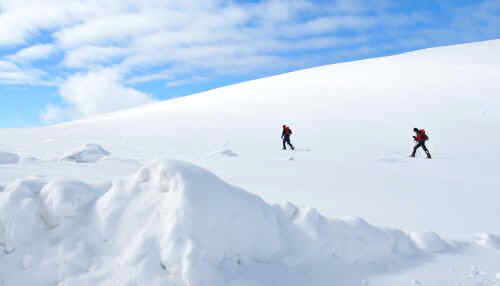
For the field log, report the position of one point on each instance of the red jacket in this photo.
(286, 132)
(421, 136)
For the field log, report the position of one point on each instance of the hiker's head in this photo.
(415, 129)
(284, 126)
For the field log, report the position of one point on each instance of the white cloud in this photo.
(203, 34)
(7, 66)
(191, 80)
(10, 73)
(21, 20)
(112, 28)
(33, 53)
(151, 77)
(53, 113)
(92, 93)
(363, 5)
(89, 56)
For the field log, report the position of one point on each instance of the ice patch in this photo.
(8, 158)
(89, 153)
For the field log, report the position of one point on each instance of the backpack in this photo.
(424, 135)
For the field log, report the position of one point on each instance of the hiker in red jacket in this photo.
(285, 135)
(420, 138)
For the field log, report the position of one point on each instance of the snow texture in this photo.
(173, 222)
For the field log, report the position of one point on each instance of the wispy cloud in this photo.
(163, 75)
(11, 73)
(33, 53)
(89, 56)
(191, 80)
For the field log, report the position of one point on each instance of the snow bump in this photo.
(89, 153)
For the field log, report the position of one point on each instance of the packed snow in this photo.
(120, 220)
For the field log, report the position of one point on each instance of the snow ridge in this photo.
(173, 223)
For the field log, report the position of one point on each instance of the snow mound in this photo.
(173, 223)
(488, 240)
(89, 153)
(9, 158)
(63, 199)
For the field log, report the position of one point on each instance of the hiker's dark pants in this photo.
(286, 140)
(421, 144)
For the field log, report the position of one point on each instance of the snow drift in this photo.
(173, 223)
(89, 153)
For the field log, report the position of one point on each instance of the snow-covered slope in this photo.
(352, 125)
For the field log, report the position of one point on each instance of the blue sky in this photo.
(65, 60)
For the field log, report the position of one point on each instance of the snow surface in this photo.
(120, 220)
(174, 223)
